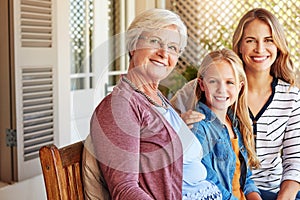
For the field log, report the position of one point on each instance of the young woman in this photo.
(225, 133)
(274, 103)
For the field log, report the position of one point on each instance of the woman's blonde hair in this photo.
(283, 67)
(239, 107)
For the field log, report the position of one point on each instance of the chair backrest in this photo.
(62, 171)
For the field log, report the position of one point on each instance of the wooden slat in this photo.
(50, 159)
(78, 180)
(62, 171)
(71, 181)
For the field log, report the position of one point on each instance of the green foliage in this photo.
(176, 80)
(190, 73)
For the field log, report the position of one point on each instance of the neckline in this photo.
(164, 104)
(262, 110)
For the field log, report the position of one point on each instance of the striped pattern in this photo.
(278, 132)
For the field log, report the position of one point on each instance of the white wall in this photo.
(63, 71)
(31, 189)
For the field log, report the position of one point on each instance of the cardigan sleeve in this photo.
(115, 131)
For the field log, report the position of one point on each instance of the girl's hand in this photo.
(190, 117)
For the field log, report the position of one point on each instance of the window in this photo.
(81, 34)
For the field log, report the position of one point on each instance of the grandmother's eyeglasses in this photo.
(157, 43)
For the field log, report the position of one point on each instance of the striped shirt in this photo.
(277, 130)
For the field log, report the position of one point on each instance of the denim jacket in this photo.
(218, 155)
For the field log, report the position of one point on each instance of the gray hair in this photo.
(151, 20)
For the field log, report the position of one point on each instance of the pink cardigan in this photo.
(139, 153)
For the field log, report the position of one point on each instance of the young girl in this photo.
(225, 133)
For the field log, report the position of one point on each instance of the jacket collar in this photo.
(210, 116)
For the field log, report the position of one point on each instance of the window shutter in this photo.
(35, 82)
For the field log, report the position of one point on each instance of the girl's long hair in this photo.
(239, 107)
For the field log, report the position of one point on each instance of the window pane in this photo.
(77, 84)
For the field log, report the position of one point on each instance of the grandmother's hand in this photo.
(190, 117)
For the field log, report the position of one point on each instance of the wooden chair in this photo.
(62, 171)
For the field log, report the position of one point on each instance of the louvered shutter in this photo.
(36, 87)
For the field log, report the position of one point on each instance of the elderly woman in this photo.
(138, 139)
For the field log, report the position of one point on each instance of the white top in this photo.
(194, 172)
